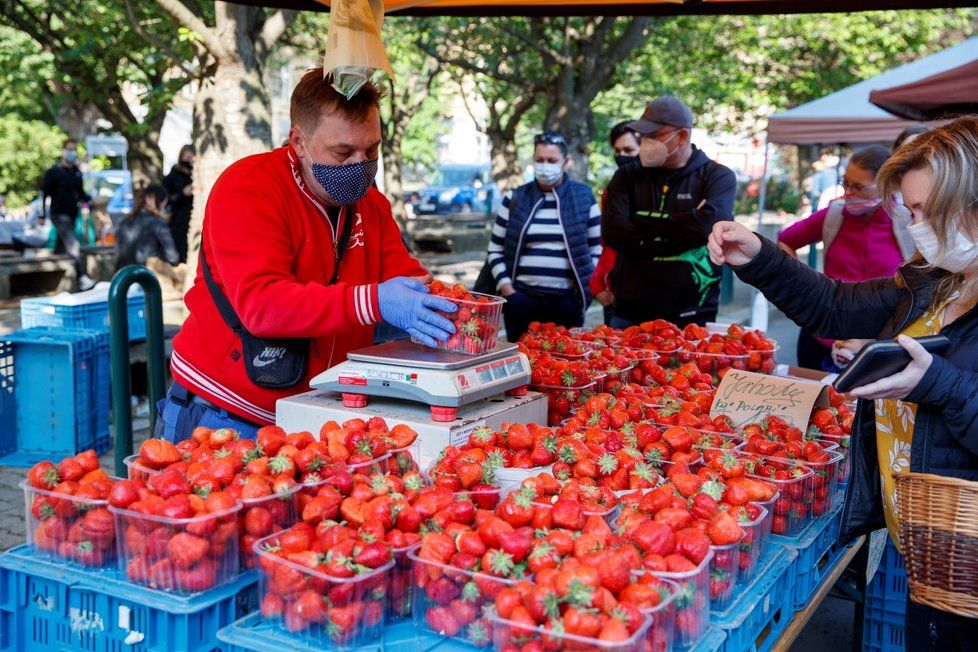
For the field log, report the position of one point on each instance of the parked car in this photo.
(456, 190)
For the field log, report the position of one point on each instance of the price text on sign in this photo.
(747, 397)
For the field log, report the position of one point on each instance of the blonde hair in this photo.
(950, 153)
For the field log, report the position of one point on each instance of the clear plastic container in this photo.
(609, 514)
(563, 401)
(378, 465)
(509, 479)
(482, 498)
(325, 611)
(662, 621)
(668, 359)
(137, 471)
(763, 531)
(724, 568)
(508, 636)
(713, 363)
(178, 555)
(405, 460)
(692, 604)
(434, 588)
(842, 442)
(825, 481)
(752, 546)
(789, 511)
(762, 360)
(261, 517)
(400, 587)
(65, 528)
(476, 324)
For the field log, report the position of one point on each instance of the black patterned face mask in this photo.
(348, 183)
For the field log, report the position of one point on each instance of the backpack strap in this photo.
(832, 224)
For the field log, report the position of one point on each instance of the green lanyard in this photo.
(662, 202)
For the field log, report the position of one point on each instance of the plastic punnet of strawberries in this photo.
(67, 515)
(476, 320)
(330, 586)
(552, 341)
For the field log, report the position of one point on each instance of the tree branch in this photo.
(549, 54)
(472, 67)
(155, 42)
(193, 22)
(632, 37)
(275, 26)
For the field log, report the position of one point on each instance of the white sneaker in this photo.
(85, 283)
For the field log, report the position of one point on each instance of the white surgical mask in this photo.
(962, 254)
(548, 173)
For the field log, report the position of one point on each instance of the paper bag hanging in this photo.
(354, 49)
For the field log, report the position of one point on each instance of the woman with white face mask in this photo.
(545, 243)
(861, 241)
(923, 419)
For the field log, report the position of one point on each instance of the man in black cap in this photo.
(657, 216)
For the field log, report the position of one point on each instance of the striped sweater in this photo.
(542, 261)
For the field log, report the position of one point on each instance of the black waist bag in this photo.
(274, 363)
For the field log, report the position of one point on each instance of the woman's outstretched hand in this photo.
(732, 243)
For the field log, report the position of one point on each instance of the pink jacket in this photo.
(864, 248)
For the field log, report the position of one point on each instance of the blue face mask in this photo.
(346, 184)
(71, 155)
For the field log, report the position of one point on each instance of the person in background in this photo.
(625, 144)
(924, 418)
(63, 184)
(908, 135)
(144, 234)
(545, 242)
(179, 186)
(657, 216)
(861, 241)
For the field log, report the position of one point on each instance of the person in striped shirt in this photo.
(545, 243)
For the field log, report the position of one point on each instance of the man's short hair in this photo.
(69, 141)
(620, 130)
(314, 97)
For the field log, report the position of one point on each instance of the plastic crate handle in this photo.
(119, 353)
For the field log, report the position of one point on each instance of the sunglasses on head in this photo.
(549, 139)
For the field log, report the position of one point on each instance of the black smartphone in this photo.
(882, 358)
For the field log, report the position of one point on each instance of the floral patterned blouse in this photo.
(894, 427)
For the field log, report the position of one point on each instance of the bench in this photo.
(34, 275)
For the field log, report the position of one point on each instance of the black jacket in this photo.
(662, 268)
(143, 237)
(945, 436)
(63, 184)
(181, 205)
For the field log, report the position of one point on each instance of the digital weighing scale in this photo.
(441, 379)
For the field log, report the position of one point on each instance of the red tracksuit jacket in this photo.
(271, 249)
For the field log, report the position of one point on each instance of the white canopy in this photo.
(847, 116)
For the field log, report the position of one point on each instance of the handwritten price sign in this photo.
(747, 397)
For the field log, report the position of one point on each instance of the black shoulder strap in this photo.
(220, 299)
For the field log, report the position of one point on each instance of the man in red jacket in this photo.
(274, 227)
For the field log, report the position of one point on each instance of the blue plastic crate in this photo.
(45, 311)
(46, 606)
(711, 641)
(754, 620)
(885, 610)
(817, 550)
(54, 401)
(253, 634)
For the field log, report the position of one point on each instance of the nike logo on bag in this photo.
(268, 355)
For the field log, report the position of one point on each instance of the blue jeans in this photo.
(179, 413)
(618, 322)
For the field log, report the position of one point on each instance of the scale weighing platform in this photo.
(441, 379)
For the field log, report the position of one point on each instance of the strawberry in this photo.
(185, 550)
(159, 453)
(517, 544)
(724, 529)
(441, 620)
(692, 544)
(654, 538)
(70, 469)
(88, 460)
(43, 475)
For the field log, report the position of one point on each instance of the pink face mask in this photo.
(860, 206)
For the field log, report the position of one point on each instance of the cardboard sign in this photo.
(747, 397)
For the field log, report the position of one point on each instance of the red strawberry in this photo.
(43, 475)
(185, 550)
(441, 620)
(159, 453)
(692, 544)
(724, 529)
(70, 469)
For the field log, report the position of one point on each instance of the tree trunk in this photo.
(575, 120)
(231, 116)
(505, 160)
(393, 179)
(145, 160)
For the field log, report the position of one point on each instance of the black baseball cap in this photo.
(661, 112)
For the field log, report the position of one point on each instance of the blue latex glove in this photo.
(406, 303)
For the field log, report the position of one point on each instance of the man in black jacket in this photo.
(63, 184)
(657, 216)
(179, 185)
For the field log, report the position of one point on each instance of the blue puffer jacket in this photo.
(945, 436)
(574, 202)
